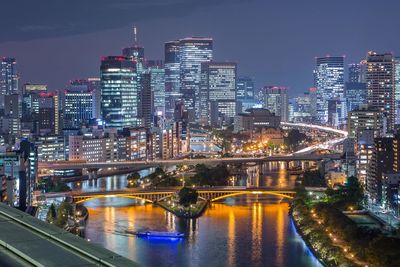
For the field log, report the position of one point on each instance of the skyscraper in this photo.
(79, 107)
(244, 88)
(277, 101)
(193, 51)
(329, 81)
(119, 92)
(172, 77)
(217, 93)
(157, 82)
(92, 85)
(397, 89)
(381, 84)
(8, 78)
(354, 73)
(134, 52)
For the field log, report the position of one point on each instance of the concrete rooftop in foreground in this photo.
(27, 241)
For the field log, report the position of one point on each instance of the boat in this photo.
(157, 234)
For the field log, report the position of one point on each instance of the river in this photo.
(242, 231)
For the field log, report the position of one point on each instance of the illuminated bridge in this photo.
(153, 196)
(27, 241)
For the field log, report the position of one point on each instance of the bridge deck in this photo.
(27, 241)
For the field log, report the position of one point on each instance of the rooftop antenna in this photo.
(135, 42)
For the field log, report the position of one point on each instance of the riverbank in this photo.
(191, 213)
(318, 238)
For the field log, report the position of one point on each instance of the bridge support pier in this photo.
(92, 173)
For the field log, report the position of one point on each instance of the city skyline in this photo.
(262, 50)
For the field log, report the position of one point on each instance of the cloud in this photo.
(26, 19)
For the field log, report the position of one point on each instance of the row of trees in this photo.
(211, 176)
(368, 244)
(59, 215)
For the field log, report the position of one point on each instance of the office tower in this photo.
(354, 75)
(312, 92)
(119, 92)
(244, 88)
(10, 123)
(79, 107)
(217, 93)
(193, 51)
(381, 84)
(356, 94)
(329, 81)
(8, 78)
(157, 83)
(172, 77)
(147, 101)
(48, 114)
(302, 108)
(277, 101)
(134, 52)
(93, 85)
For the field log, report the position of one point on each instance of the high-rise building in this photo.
(32, 88)
(397, 89)
(217, 93)
(134, 52)
(8, 78)
(119, 92)
(354, 73)
(92, 85)
(329, 81)
(48, 115)
(193, 51)
(244, 88)
(356, 94)
(79, 107)
(172, 77)
(147, 101)
(277, 101)
(157, 83)
(381, 84)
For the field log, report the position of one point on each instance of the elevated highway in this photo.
(70, 165)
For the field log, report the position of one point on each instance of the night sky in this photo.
(275, 42)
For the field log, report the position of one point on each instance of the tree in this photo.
(63, 212)
(51, 214)
(133, 179)
(294, 137)
(187, 196)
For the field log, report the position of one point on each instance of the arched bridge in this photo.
(153, 196)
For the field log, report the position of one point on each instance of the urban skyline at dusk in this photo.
(276, 43)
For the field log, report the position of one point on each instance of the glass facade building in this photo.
(329, 81)
(218, 92)
(119, 92)
(193, 51)
(8, 78)
(172, 77)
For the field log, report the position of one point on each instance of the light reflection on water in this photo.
(250, 230)
(244, 231)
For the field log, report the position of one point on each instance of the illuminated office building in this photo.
(329, 81)
(119, 92)
(79, 107)
(217, 93)
(277, 101)
(8, 78)
(244, 88)
(193, 51)
(172, 77)
(93, 85)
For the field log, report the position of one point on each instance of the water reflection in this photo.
(237, 232)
